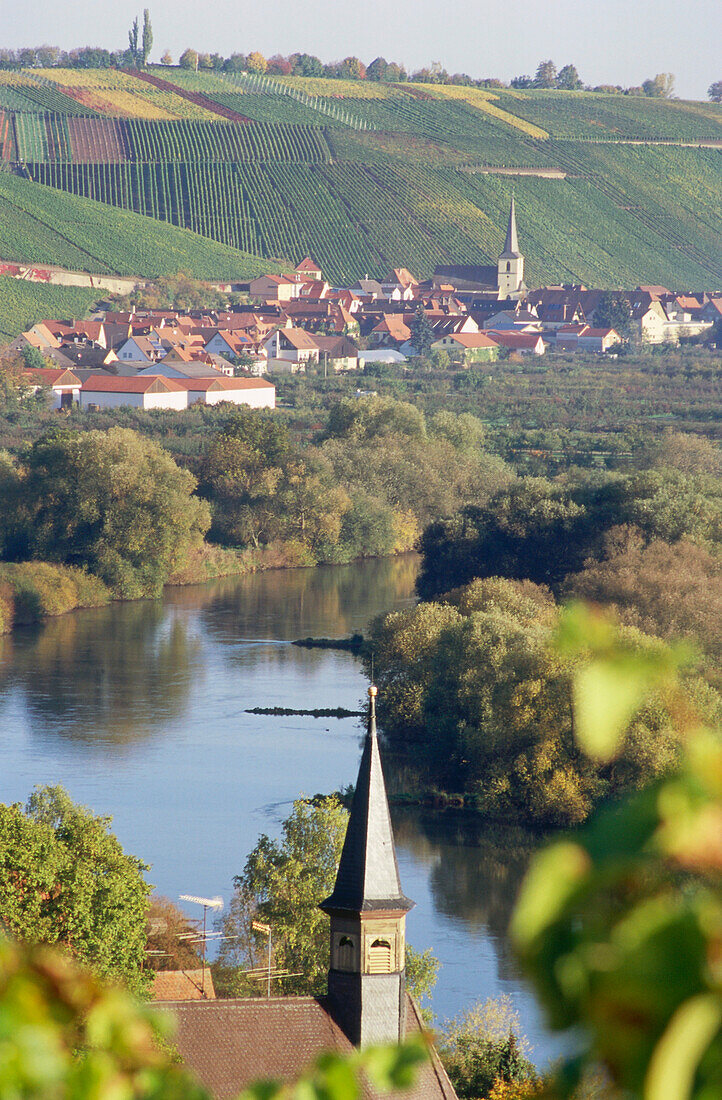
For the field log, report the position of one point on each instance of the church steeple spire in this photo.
(368, 873)
(511, 244)
(510, 268)
(367, 977)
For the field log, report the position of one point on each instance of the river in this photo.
(140, 711)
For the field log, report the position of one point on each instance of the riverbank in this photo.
(32, 592)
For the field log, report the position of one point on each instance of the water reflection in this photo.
(112, 674)
(474, 872)
(118, 675)
(296, 603)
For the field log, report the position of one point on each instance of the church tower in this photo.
(367, 978)
(510, 277)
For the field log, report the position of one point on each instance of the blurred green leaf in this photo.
(606, 698)
(674, 1064)
(553, 878)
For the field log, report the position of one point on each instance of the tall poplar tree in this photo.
(147, 41)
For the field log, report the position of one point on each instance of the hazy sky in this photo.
(610, 41)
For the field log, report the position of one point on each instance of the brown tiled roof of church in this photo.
(227, 1044)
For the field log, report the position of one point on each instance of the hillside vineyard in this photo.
(613, 190)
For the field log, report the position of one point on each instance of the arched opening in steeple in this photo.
(345, 954)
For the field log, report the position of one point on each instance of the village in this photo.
(294, 322)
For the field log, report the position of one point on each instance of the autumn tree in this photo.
(65, 879)
(660, 86)
(256, 62)
(671, 590)
(189, 59)
(484, 1045)
(170, 944)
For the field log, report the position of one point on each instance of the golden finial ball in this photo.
(373, 690)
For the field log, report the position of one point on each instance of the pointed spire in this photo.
(511, 244)
(368, 873)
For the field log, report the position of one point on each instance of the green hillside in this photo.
(22, 304)
(42, 225)
(367, 176)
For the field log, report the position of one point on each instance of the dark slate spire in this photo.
(368, 874)
(511, 244)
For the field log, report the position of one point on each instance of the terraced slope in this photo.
(45, 226)
(367, 176)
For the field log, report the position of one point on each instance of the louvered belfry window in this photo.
(380, 957)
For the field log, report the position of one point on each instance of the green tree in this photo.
(378, 69)
(114, 503)
(33, 357)
(613, 311)
(546, 75)
(422, 333)
(531, 530)
(133, 39)
(715, 91)
(568, 78)
(65, 879)
(281, 885)
(474, 692)
(147, 39)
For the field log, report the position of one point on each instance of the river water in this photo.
(139, 711)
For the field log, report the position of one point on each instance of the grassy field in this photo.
(364, 176)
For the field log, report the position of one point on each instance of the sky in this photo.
(609, 41)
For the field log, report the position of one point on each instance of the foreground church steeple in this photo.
(510, 277)
(367, 978)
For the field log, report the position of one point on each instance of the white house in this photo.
(585, 338)
(142, 349)
(290, 350)
(64, 384)
(149, 392)
(255, 392)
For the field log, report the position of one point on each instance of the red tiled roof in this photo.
(48, 376)
(513, 340)
(139, 384)
(223, 383)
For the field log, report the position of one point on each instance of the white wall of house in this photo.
(175, 399)
(263, 398)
